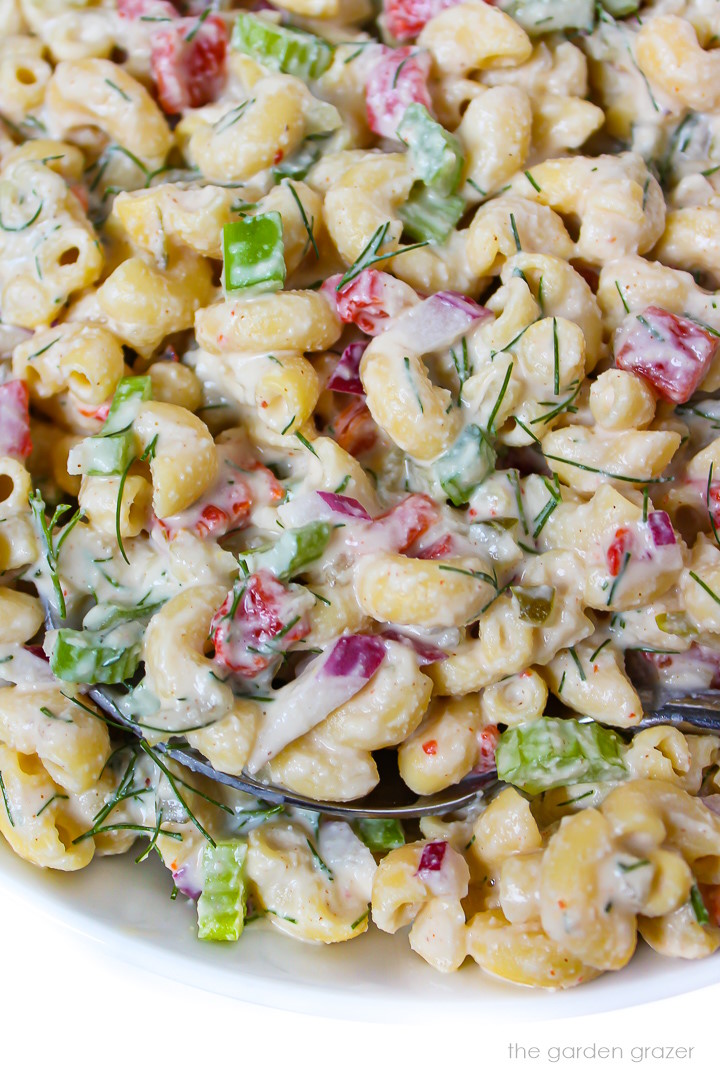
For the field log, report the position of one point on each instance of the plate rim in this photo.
(496, 999)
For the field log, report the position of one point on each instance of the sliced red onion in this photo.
(346, 376)
(661, 528)
(432, 858)
(183, 878)
(355, 656)
(437, 323)
(464, 303)
(344, 504)
(36, 650)
(426, 653)
(339, 673)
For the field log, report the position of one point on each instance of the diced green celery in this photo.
(675, 622)
(468, 462)
(381, 834)
(620, 8)
(295, 550)
(86, 656)
(107, 455)
(437, 155)
(254, 254)
(549, 753)
(535, 602)
(292, 51)
(129, 396)
(429, 216)
(298, 165)
(545, 16)
(222, 904)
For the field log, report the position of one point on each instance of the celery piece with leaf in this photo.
(548, 753)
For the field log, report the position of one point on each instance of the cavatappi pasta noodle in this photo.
(358, 391)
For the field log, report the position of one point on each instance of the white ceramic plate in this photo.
(126, 909)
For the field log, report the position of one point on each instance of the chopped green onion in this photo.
(320, 861)
(222, 904)
(698, 906)
(281, 48)
(369, 255)
(254, 254)
(549, 753)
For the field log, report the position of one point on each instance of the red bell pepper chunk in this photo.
(397, 79)
(405, 19)
(407, 521)
(369, 300)
(617, 549)
(488, 739)
(188, 61)
(674, 354)
(354, 428)
(15, 438)
(258, 620)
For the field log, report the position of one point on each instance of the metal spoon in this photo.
(392, 798)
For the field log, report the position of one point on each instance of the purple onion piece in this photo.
(184, 882)
(355, 656)
(432, 857)
(344, 504)
(346, 376)
(464, 303)
(661, 528)
(426, 653)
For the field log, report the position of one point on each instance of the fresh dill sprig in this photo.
(51, 548)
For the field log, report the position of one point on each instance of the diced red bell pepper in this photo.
(405, 19)
(96, 412)
(369, 300)
(397, 79)
(15, 438)
(617, 549)
(258, 620)
(229, 502)
(354, 428)
(439, 549)
(488, 740)
(671, 352)
(188, 61)
(407, 521)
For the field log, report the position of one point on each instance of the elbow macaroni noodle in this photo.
(453, 460)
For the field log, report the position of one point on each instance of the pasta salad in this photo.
(358, 374)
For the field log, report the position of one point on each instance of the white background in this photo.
(68, 1010)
